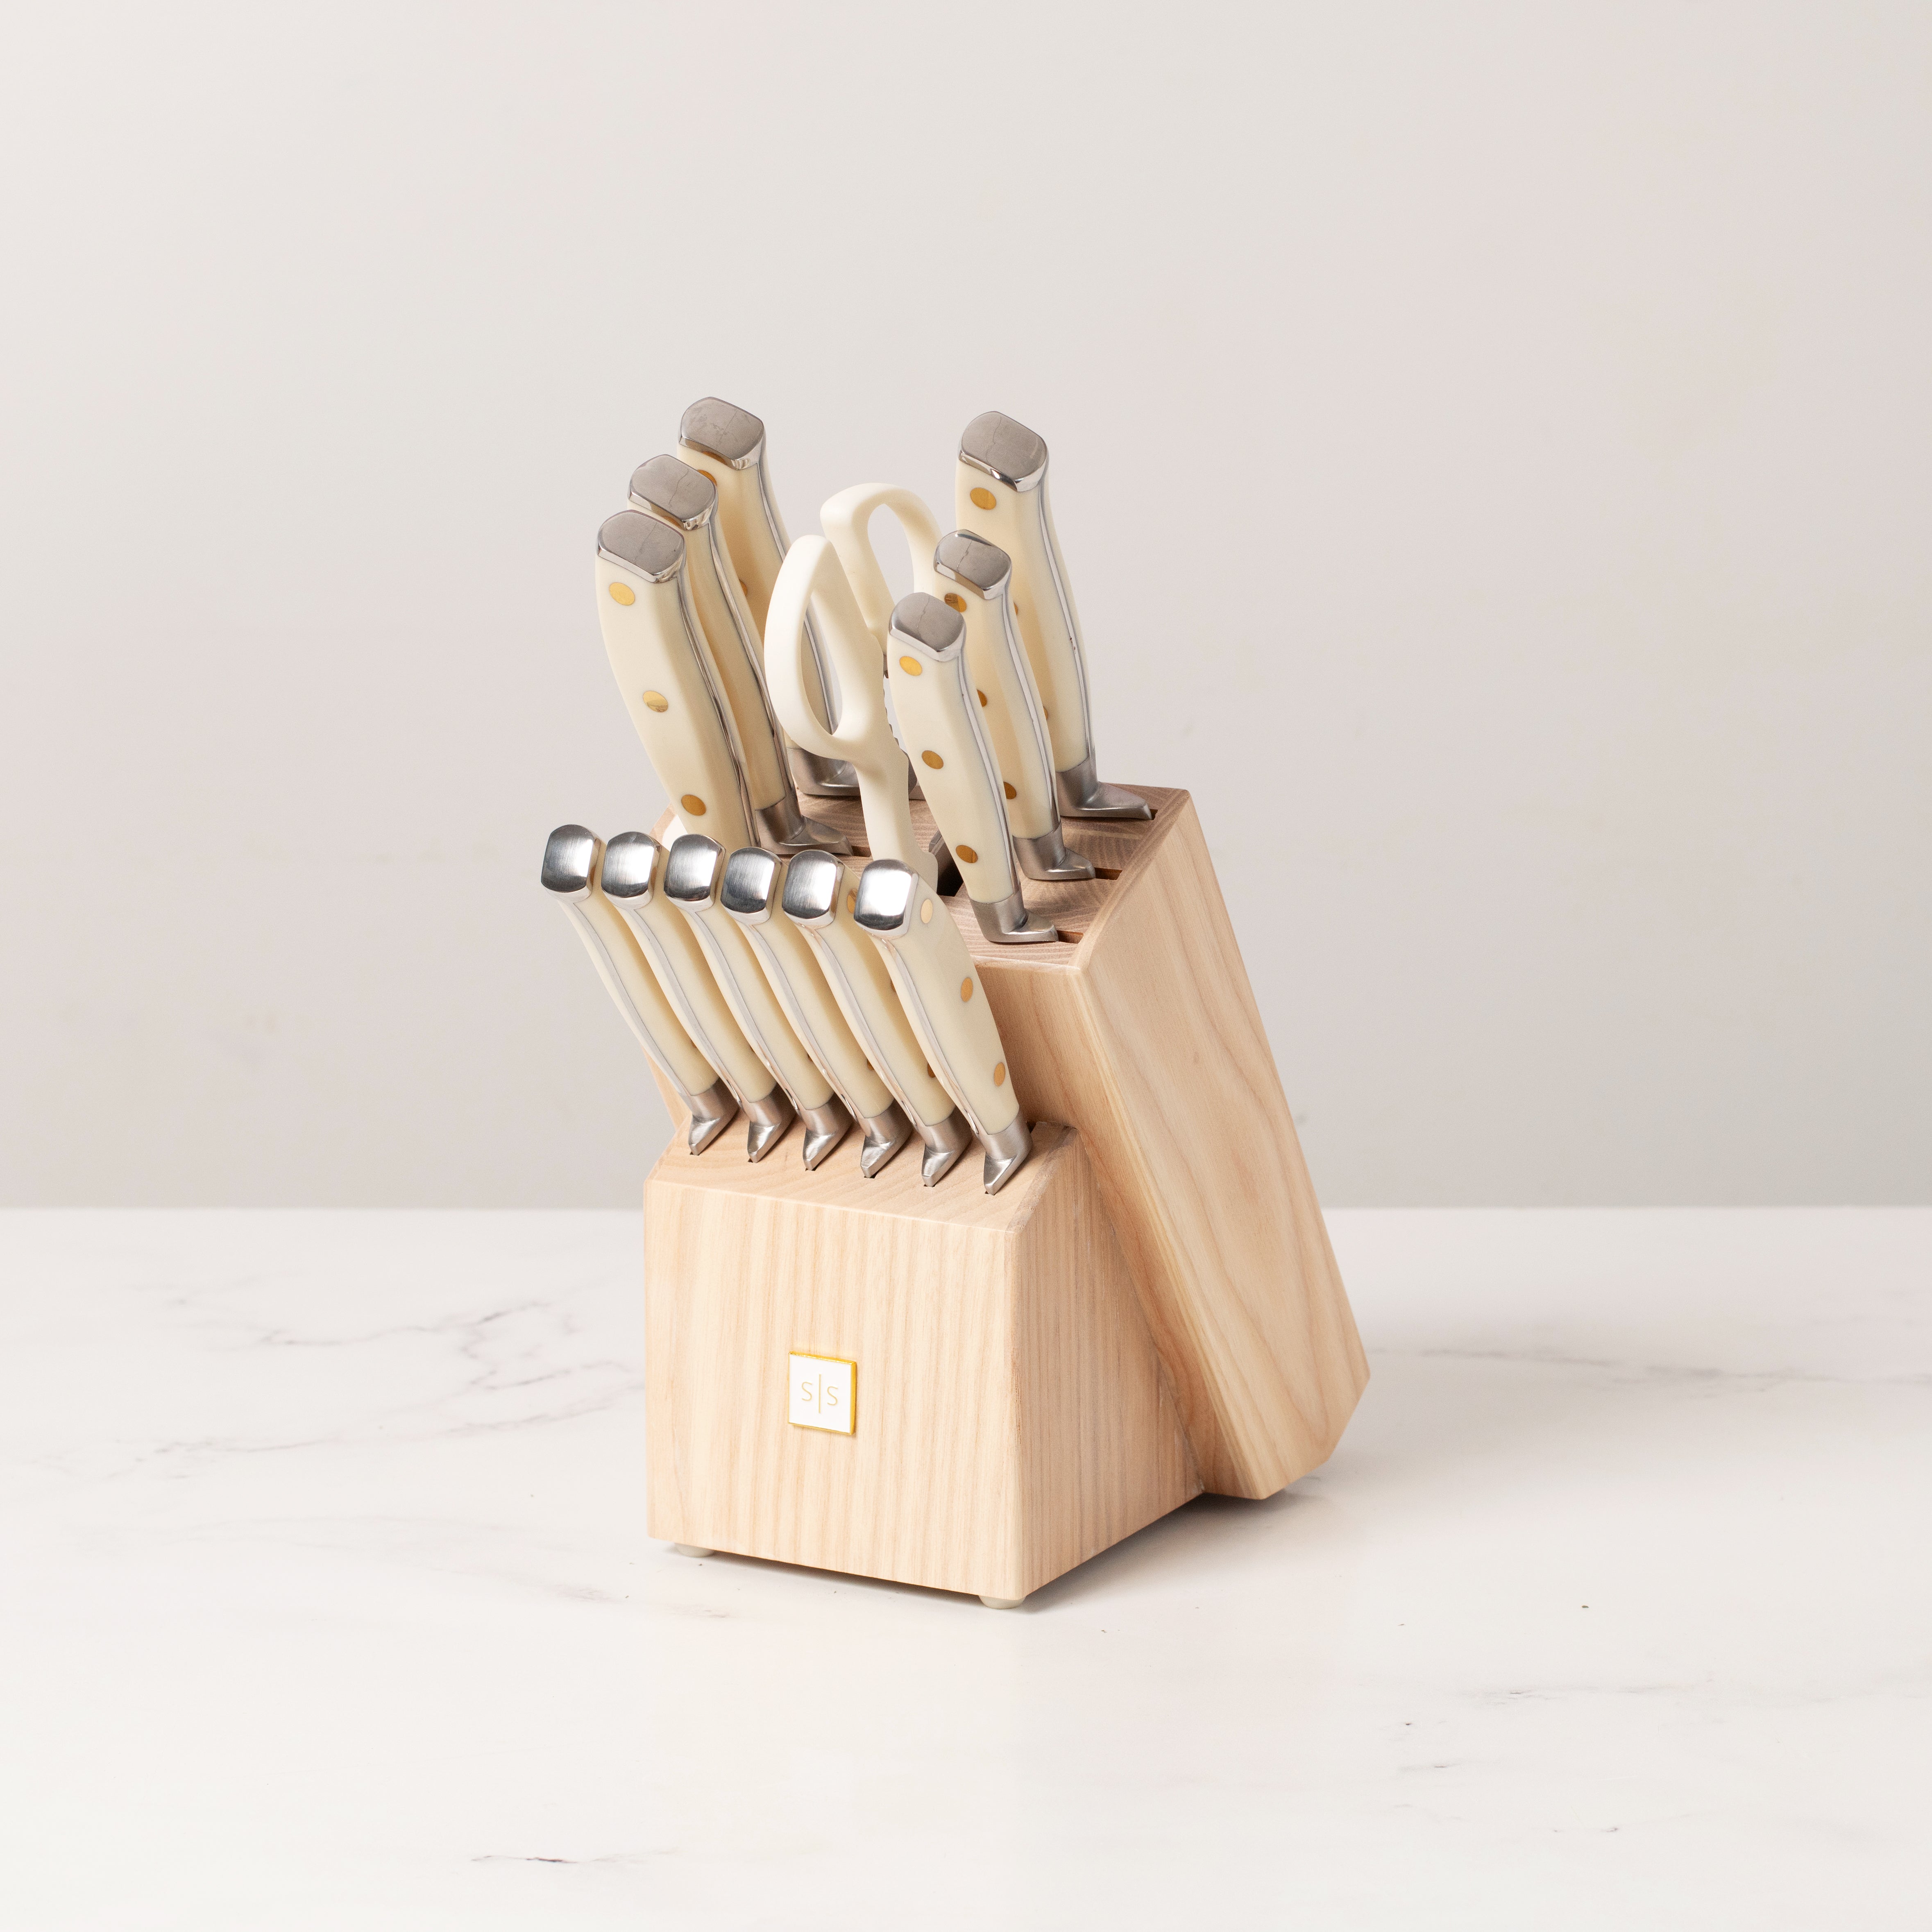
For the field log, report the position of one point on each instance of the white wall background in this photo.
(1492, 446)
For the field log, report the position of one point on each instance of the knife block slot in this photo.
(1149, 1308)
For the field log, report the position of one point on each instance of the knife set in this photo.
(969, 1374)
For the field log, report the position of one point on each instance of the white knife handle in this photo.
(664, 675)
(941, 993)
(940, 727)
(813, 579)
(846, 518)
(821, 896)
(632, 879)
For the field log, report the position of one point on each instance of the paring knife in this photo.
(863, 737)
(1001, 492)
(754, 881)
(977, 575)
(687, 499)
(821, 897)
(942, 997)
(665, 674)
(728, 445)
(938, 721)
(572, 857)
(693, 871)
(632, 879)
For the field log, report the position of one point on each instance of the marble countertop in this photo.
(325, 1601)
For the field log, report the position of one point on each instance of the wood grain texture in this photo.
(1012, 1417)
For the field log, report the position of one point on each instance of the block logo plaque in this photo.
(824, 1392)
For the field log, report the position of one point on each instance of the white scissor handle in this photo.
(846, 518)
(811, 581)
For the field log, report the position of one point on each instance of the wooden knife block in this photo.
(1149, 1308)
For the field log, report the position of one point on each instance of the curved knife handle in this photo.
(665, 674)
(847, 520)
(947, 1006)
(821, 897)
(940, 727)
(632, 879)
(813, 578)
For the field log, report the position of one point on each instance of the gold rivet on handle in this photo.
(967, 852)
(851, 901)
(933, 759)
(926, 913)
(910, 666)
(983, 700)
(965, 991)
(1010, 792)
(655, 700)
(693, 804)
(958, 602)
(622, 593)
(1000, 1074)
(983, 497)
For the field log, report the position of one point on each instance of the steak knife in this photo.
(943, 998)
(821, 897)
(573, 856)
(693, 871)
(728, 444)
(687, 499)
(1001, 491)
(754, 880)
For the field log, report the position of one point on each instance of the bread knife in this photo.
(1001, 491)
(728, 444)
(693, 871)
(937, 718)
(753, 883)
(944, 998)
(572, 858)
(632, 880)
(687, 499)
(821, 898)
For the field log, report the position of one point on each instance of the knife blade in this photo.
(693, 871)
(999, 489)
(937, 718)
(728, 445)
(753, 883)
(687, 499)
(665, 674)
(940, 991)
(573, 857)
(820, 897)
(632, 879)
(977, 575)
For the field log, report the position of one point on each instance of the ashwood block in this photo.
(1012, 1416)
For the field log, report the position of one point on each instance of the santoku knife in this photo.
(572, 857)
(693, 871)
(1001, 492)
(937, 716)
(687, 499)
(632, 879)
(942, 997)
(754, 881)
(821, 897)
(728, 444)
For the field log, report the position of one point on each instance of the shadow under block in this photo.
(1011, 1417)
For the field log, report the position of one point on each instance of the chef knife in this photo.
(687, 499)
(1001, 492)
(665, 674)
(693, 871)
(937, 717)
(632, 879)
(977, 575)
(821, 897)
(943, 998)
(754, 881)
(728, 445)
(572, 858)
